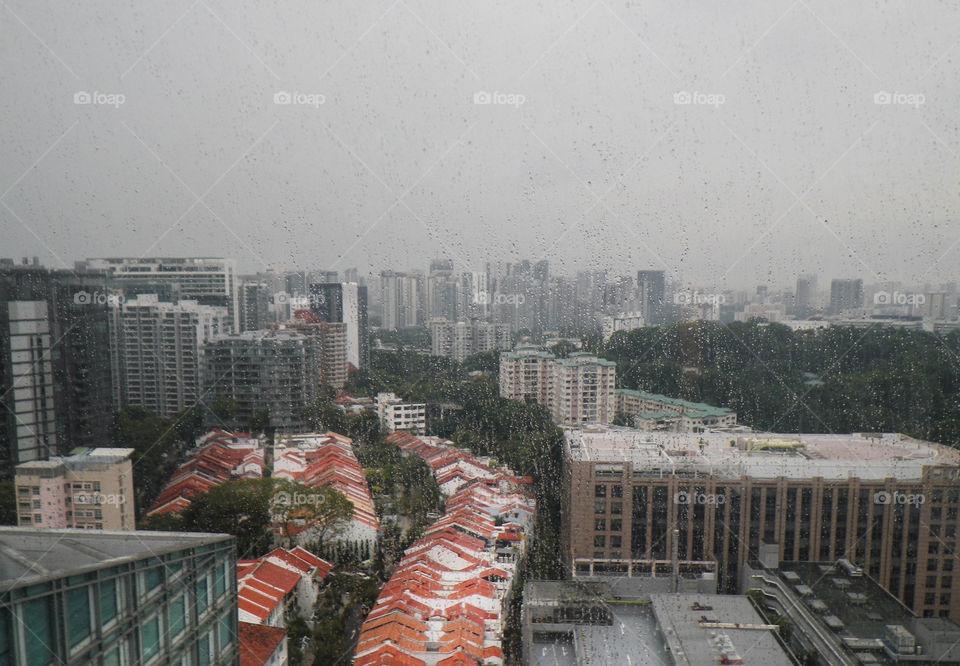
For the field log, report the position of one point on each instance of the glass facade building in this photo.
(116, 598)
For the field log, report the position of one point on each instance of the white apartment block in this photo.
(460, 339)
(159, 349)
(398, 415)
(207, 280)
(578, 389)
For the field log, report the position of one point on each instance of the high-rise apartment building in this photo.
(460, 339)
(159, 348)
(55, 379)
(845, 295)
(886, 502)
(651, 291)
(276, 371)
(207, 280)
(82, 597)
(578, 389)
(345, 302)
(253, 300)
(403, 299)
(332, 340)
(91, 490)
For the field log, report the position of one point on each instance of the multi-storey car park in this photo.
(887, 502)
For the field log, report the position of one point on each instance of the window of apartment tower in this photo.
(617, 491)
(616, 525)
(599, 541)
(600, 524)
(599, 507)
(616, 508)
(599, 491)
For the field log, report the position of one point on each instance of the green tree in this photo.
(240, 508)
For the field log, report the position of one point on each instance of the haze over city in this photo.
(736, 145)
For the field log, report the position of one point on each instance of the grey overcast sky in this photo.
(732, 143)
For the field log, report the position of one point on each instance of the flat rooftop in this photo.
(870, 456)
(681, 616)
(692, 409)
(31, 555)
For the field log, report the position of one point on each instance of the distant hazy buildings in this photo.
(460, 339)
(846, 295)
(91, 490)
(578, 389)
(887, 502)
(102, 597)
(276, 371)
(345, 302)
(395, 414)
(158, 351)
(207, 280)
(651, 290)
(805, 299)
(254, 299)
(402, 297)
(626, 321)
(55, 380)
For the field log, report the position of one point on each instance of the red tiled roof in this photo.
(258, 642)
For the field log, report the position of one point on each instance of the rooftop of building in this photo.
(688, 623)
(860, 609)
(29, 556)
(692, 409)
(78, 459)
(527, 351)
(875, 456)
(258, 642)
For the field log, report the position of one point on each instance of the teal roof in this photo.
(692, 409)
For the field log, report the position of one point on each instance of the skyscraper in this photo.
(55, 380)
(345, 302)
(845, 295)
(651, 290)
(806, 298)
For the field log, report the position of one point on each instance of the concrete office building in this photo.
(275, 371)
(887, 502)
(55, 379)
(80, 597)
(331, 339)
(207, 280)
(90, 490)
(460, 339)
(158, 349)
(345, 302)
(395, 414)
(625, 321)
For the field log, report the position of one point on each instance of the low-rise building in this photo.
(262, 645)
(92, 490)
(626, 321)
(395, 414)
(281, 582)
(652, 411)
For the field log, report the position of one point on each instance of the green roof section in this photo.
(692, 409)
